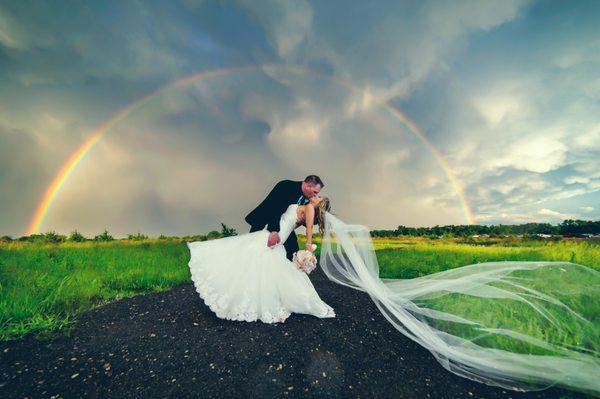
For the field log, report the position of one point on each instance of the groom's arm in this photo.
(274, 225)
(268, 210)
(258, 215)
(275, 206)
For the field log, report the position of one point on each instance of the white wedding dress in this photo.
(241, 278)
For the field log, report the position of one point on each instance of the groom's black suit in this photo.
(269, 211)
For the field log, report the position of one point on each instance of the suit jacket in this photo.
(269, 211)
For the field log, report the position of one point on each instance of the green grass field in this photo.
(44, 286)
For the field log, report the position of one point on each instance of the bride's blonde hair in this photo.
(323, 207)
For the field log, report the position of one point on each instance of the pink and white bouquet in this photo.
(305, 260)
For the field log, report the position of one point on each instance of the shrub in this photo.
(227, 231)
(104, 236)
(77, 236)
(53, 237)
(137, 237)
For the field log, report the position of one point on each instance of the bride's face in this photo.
(315, 200)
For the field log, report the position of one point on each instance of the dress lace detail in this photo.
(240, 278)
(242, 312)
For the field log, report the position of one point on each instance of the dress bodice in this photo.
(287, 223)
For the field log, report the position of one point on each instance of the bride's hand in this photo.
(311, 247)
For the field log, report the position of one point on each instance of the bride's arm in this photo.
(309, 217)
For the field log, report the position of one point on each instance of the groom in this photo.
(269, 211)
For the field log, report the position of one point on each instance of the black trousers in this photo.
(290, 245)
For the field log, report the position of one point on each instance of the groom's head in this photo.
(311, 186)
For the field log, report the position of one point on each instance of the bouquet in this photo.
(305, 260)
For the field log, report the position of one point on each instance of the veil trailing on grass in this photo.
(518, 325)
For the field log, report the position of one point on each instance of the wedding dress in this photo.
(241, 278)
(518, 325)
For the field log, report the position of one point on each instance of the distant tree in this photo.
(137, 237)
(104, 236)
(53, 237)
(227, 231)
(6, 238)
(572, 227)
(77, 236)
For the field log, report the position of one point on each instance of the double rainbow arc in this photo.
(71, 163)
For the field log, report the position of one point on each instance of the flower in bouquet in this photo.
(305, 260)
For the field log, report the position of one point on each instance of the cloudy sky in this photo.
(507, 93)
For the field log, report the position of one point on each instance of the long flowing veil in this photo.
(517, 325)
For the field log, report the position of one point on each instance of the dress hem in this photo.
(211, 299)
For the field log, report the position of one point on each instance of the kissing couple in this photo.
(252, 276)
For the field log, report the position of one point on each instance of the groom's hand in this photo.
(273, 239)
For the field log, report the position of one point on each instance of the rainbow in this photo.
(71, 163)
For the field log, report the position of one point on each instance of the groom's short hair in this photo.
(313, 180)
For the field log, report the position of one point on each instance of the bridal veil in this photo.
(517, 325)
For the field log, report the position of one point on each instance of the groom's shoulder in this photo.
(287, 182)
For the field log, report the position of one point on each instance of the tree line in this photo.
(76, 236)
(568, 228)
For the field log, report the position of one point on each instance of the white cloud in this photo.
(495, 109)
(515, 217)
(555, 214)
(506, 218)
(535, 154)
(562, 193)
(299, 134)
(394, 158)
(576, 179)
(286, 22)
(503, 102)
(589, 139)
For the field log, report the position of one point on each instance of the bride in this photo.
(241, 278)
(518, 325)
